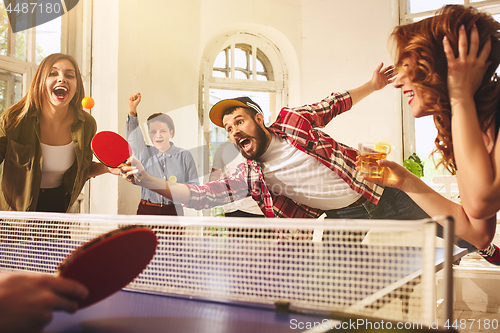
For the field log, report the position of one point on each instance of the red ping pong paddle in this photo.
(109, 262)
(112, 150)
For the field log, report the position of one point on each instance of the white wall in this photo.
(343, 42)
(156, 46)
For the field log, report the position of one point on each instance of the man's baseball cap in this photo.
(219, 108)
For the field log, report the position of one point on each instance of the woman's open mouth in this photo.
(60, 92)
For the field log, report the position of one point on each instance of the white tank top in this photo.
(56, 161)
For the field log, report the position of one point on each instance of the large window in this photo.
(420, 133)
(11, 88)
(245, 63)
(21, 52)
(242, 65)
(250, 63)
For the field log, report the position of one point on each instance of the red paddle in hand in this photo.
(109, 262)
(112, 150)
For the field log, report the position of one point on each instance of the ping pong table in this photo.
(130, 312)
(135, 312)
(226, 275)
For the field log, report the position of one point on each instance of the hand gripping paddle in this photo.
(109, 262)
(112, 150)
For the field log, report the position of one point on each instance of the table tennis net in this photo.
(382, 269)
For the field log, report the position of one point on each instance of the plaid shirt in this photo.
(298, 127)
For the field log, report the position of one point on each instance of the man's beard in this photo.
(260, 144)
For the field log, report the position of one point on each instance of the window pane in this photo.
(243, 64)
(417, 6)
(220, 61)
(261, 77)
(260, 66)
(4, 30)
(3, 92)
(218, 74)
(264, 65)
(425, 133)
(18, 88)
(21, 40)
(48, 39)
(240, 75)
(11, 88)
(420, 18)
(240, 58)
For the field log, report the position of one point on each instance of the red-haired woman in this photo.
(444, 78)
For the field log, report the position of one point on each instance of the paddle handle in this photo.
(138, 176)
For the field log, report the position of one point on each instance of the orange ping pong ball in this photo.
(88, 102)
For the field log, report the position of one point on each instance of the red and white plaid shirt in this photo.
(299, 127)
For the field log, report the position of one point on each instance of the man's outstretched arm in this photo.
(169, 190)
(381, 77)
(212, 194)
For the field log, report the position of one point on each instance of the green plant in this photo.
(415, 165)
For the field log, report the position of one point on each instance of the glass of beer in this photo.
(369, 154)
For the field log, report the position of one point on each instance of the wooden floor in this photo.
(475, 321)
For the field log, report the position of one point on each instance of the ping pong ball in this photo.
(88, 102)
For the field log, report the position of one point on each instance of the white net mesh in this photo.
(382, 269)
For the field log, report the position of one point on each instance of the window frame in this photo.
(278, 87)
(251, 74)
(75, 27)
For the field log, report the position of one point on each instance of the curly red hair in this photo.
(422, 41)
